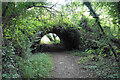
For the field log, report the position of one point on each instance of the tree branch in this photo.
(47, 8)
(92, 12)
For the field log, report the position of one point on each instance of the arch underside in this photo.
(69, 38)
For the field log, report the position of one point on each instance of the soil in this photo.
(66, 65)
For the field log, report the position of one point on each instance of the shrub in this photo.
(38, 65)
(103, 67)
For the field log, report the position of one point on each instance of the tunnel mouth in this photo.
(50, 38)
(51, 43)
(68, 40)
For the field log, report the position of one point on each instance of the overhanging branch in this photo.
(92, 12)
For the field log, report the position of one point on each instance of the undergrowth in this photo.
(37, 66)
(104, 67)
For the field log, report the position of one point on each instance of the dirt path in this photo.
(66, 65)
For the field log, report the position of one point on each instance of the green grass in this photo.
(38, 65)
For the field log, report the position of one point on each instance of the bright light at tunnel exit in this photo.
(46, 40)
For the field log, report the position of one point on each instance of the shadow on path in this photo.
(52, 48)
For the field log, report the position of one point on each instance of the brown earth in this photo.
(66, 65)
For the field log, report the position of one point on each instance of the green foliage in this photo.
(21, 22)
(103, 67)
(37, 66)
(55, 42)
(50, 42)
(107, 17)
(9, 64)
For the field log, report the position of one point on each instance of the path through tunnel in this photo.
(51, 43)
(69, 40)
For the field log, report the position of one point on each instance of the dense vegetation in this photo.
(97, 23)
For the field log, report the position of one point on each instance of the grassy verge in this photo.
(38, 65)
(104, 67)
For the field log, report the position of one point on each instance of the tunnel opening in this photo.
(50, 38)
(51, 43)
(68, 39)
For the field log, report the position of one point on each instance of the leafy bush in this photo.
(38, 65)
(9, 65)
(103, 67)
